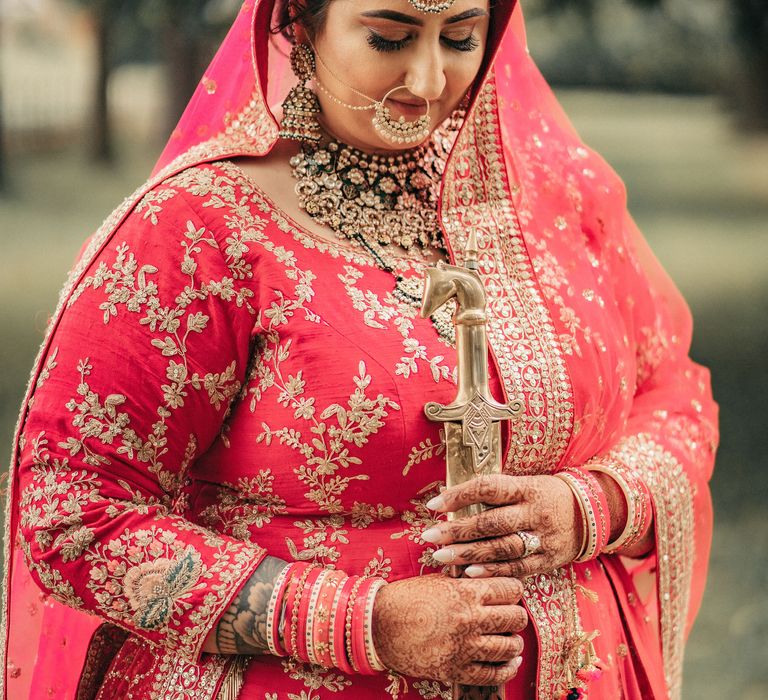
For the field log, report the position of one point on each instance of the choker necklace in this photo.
(386, 199)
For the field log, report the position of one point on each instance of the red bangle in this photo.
(594, 508)
(301, 651)
(348, 624)
(638, 500)
(294, 597)
(359, 651)
(321, 622)
(289, 598)
(600, 504)
(339, 637)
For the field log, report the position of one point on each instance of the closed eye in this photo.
(377, 42)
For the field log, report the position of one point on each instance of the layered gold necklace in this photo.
(381, 201)
(390, 200)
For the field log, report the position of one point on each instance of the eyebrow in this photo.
(408, 19)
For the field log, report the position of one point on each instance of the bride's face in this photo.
(373, 46)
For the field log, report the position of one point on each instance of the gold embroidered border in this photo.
(672, 495)
(526, 347)
(180, 680)
(521, 331)
(551, 602)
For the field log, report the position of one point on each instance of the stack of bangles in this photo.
(593, 506)
(324, 617)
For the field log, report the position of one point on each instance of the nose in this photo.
(426, 74)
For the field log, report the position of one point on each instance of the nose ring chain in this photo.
(388, 127)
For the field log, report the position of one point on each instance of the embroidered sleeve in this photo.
(669, 440)
(140, 372)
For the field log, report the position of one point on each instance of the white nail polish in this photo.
(475, 571)
(444, 556)
(519, 661)
(432, 535)
(436, 503)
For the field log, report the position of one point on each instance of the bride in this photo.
(223, 457)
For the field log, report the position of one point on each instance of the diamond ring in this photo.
(531, 543)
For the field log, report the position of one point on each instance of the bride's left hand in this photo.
(488, 544)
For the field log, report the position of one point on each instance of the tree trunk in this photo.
(3, 166)
(751, 29)
(101, 146)
(182, 55)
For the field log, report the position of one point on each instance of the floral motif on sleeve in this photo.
(147, 576)
(149, 356)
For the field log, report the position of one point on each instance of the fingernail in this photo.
(445, 556)
(475, 571)
(437, 503)
(432, 535)
(519, 661)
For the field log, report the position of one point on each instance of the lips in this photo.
(408, 109)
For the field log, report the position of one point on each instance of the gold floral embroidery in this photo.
(152, 201)
(380, 315)
(52, 505)
(418, 519)
(251, 502)
(425, 450)
(329, 448)
(316, 677)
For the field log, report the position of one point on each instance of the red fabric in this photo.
(217, 385)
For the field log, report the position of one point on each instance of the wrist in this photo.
(593, 509)
(631, 507)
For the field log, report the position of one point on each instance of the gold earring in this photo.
(301, 106)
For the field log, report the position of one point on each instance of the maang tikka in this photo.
(301, 106)
(433, 6)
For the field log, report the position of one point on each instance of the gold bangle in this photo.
(275, 601)
(295, 612)
(589, 520)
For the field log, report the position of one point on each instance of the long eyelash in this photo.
(379, 43)
(468, 44)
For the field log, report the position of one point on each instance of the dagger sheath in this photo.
(472, 422)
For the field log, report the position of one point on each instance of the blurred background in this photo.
(674, 93)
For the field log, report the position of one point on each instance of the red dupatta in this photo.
(536, 195)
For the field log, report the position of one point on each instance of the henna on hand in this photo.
(451, 630)
(488, 543)
(242, 629)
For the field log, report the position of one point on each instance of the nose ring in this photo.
(400, 130)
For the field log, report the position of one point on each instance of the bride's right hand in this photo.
(451, 630)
